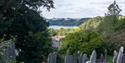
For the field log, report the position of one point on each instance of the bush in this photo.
(85, 42)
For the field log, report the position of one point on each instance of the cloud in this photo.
(80, 8)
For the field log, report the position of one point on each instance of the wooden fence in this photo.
(118, 57)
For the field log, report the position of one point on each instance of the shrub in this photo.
(85, 42)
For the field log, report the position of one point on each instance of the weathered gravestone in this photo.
(49, 58)
(105, 57)
(79, 57)
(92, 57)
(120, 55)
(52, 58)
(115, 57)
(123, 58)
(69, 58)
(101, 60)
(84, 58)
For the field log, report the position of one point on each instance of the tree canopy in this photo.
(11, 7)
(21, 19)
(113, 9)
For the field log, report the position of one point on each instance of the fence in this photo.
(119, 57)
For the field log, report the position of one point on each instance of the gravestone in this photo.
(49, 58)
(120, 55)
(69, 58)
(93, 57)
(84, 58)
(101, 60)
(115, 57)
(123, 58)
(52, 58)
(79, 57)
(105, 57)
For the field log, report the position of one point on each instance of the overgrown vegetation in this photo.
(62, 31)
(98, 33)
(21, 19)
(85, 42)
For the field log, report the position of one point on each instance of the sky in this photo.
(80, 8)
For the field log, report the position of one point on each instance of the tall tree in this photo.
(21, 19)
(110, 20)
(113, 9)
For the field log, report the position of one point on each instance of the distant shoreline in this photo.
(61, 26)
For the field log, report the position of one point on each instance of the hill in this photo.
(66, 21)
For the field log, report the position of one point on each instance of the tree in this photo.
(91, 24)
(113, 9)
(21, 19)
(107, 26)
(10, 7)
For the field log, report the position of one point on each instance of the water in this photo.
(65, 27)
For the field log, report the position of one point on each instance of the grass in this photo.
(109, 59)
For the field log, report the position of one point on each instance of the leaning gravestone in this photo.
(93, 57)
(115, 57)
(120, 55)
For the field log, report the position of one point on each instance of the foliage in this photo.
(111, 26)
(110, 21)
(62, 31)
(4, 45)
(91, 24)
(120, 24)
(36, 49)
(8, 8)
(98, 33)
(85, 42)
(21, 19)
(52, 32)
